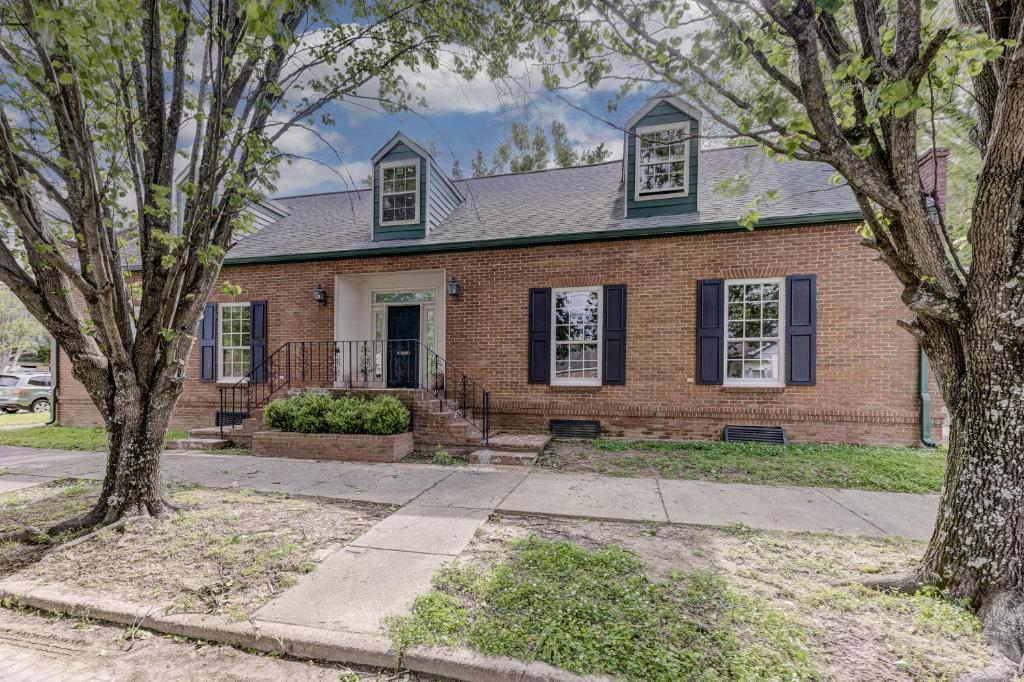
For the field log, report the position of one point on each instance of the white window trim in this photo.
(780, 379)
(650, 196)
(416, 205)
(576, 381)
(221, 378)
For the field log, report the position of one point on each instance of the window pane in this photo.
(752, 331)
(402, 296)
(234, 341)
(576, 317)
(399, 194)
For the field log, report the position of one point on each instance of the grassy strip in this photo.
(66, 437)
(26, 418)
(596, 612)
(910, 470)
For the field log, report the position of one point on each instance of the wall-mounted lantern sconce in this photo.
(319, 295)
(454, 290)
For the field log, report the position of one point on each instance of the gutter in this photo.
(926, 401)
(55, 376)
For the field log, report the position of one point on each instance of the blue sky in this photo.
(459, 118)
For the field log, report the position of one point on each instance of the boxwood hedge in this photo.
(317, 412)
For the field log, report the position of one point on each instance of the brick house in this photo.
(622, 295)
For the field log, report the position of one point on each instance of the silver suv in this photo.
(25, 392)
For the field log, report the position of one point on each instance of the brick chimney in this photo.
(932, 167)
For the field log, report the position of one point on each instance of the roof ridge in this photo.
(504, 175)
(539, 170)
(320, 194)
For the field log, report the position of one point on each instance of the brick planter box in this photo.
(337, 446)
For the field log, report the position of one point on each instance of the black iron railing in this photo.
(401, 363)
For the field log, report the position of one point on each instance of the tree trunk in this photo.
(132, 484)
(976, 552)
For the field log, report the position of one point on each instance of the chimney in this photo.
(932, 167)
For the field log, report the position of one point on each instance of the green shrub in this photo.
(315, 412)
(346, 415)
(281, 413)
(386, 415)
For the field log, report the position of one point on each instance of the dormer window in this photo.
(400, 193)
(662, 161)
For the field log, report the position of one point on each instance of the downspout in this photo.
(926, 402)
(55, 378)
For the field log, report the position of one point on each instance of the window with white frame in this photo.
(235, 327)
(399, 193)
(753, 332)
(663, 161)
(576, 322)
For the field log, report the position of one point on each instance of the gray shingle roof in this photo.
(553, 205)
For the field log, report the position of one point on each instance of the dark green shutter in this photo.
(801, 329)
(540, 336)
(614, 335)
(258, 340)
(710, 331)
(208, 344)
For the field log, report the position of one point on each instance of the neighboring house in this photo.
(623, 293)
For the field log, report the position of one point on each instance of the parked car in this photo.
(25, 392)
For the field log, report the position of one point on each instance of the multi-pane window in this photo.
(235, 326)
(663, 160)
(753, 339)
(577, 336)
(399, 194)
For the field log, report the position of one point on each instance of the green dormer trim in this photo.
(662, 178)
(400, 168)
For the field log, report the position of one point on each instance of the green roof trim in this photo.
(547, 239)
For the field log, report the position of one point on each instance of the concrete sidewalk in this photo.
(786, 508)
(381, 573)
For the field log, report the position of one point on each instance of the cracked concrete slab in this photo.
(433, 530)
(905, 514)
(786, 508)
(354, 589)
(471, 489)
(382, 483)
(599, 497)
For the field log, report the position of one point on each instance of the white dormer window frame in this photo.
(415, 164)
(671, 191)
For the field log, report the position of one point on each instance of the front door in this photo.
(403, 350)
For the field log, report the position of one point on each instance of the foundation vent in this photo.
(775, 435)
(575, 428)
(230, 418)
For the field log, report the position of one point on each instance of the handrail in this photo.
(393, 363)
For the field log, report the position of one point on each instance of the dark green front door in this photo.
(403, 350)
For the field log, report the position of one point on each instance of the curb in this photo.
(457, 663)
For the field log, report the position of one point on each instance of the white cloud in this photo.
(306, 176)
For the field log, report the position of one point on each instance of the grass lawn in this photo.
(20, 418)
(659, 603)
(908, 470)
(66, 437)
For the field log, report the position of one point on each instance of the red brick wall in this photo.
(866, 388)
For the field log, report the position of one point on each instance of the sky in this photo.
(459, 118)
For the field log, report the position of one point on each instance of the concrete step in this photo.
(198, 444)
(520, 442)
(488, 456)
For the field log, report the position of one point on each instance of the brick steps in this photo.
(516, 449)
